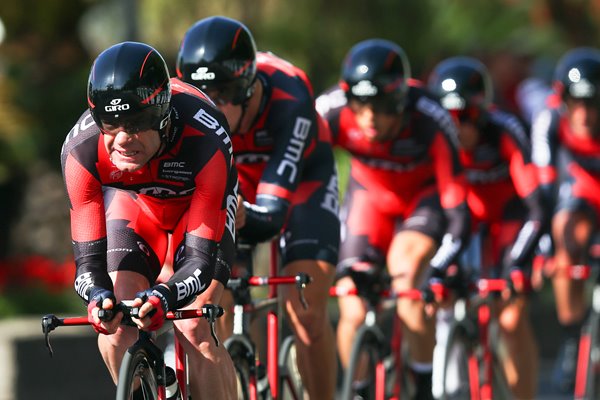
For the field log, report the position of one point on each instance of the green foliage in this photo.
(38, 300)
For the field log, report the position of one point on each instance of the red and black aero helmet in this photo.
(129, 87)
(376, 71)
(577, 74)
(218, 55)
(461, 83)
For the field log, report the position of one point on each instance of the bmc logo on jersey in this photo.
(115, 105)
(202, 74)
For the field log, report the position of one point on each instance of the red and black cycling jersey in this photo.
(565, 159)
(423, 154)
(498, 170)
(194, 174)
(288, 144)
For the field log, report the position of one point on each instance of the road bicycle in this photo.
(280, 379)
(377, 369)
(473, 367)
(143, 364)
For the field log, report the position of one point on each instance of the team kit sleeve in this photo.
(517, 150)
(294, 132)
(453, 191)
(88, 227)
(544, 144)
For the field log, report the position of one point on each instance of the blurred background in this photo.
(47, 47)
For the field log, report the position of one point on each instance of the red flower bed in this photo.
(36, 270)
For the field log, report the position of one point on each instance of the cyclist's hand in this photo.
(103, 299)
(434, 277)
(240, 216)
(152, 308)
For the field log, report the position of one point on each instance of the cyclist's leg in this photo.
(310, 244)
(521, 362)
(571, 232)
(351, 316)
(367, 234)
(312, 327)
(210, 365)
(136, 250)
(410, 252)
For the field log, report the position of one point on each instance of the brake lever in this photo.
(302, 280)
(212, 312)
(49, 323)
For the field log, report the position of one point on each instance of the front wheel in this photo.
(291, 386)
(137, 373)
(241, 352)
(364, 378)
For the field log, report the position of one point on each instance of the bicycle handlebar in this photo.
(300, 280)
(210, 312)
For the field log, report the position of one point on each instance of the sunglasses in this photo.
(467, 114)
(379, 104)
(149, 119)
(229, 93)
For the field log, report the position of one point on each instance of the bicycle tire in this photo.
(241, 352)
(291, 386)
(367, 353)
(137, 366)
(461, 363)
(592, 386)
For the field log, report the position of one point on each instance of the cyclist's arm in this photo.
(544, 143)
(295, 131)
(88, 227)
(453, 191)
(524, 178)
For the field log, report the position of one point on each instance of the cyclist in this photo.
(148, 167)
(566, 150)
(405, 200)
(503, 194)
(287, 173)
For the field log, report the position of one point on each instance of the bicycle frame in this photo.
(481, 304)
(273, 322)
(50, 322)
(375, 303)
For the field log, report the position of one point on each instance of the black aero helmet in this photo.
(129, 87)
(218, 54)
(376, 71)
(577, 74)
(461, 83)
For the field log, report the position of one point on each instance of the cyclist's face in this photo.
(466, 122)
(584, 117)
(377, 126)
(233, 113)
(130, 151)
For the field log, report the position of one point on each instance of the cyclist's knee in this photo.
(310, 324)
(123, 338)
(512, 319)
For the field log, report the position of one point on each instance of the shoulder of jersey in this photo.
(178, 87)
(84, 130)
(331, 99)
(509, 123)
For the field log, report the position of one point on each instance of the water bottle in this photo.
(172, 391)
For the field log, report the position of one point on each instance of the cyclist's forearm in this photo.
(194, 274)
(264, 220)
(90, 263)
(457, 234)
